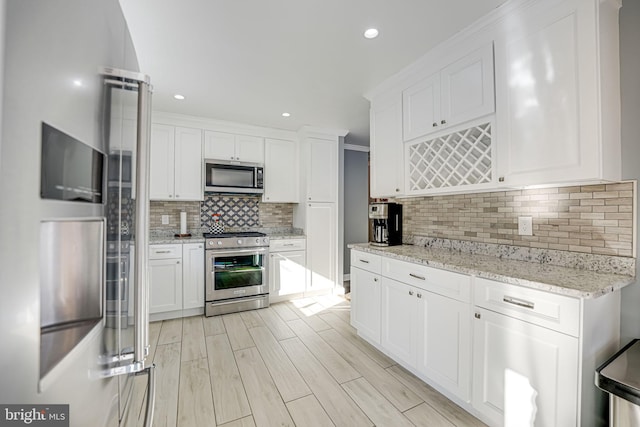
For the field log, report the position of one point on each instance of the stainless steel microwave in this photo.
(222, 176)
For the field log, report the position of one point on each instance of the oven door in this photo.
(236, 273)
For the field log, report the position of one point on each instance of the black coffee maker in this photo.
(385, 221)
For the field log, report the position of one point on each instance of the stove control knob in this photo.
(239, 241)
(265, 240)
(258, 241)
(219, 242)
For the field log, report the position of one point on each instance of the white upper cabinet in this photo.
(176, 163)
(387, 154)
(281, 171)
(322, 170)
(226, 146)
(557, 77)
(188, 164)
(459, 92)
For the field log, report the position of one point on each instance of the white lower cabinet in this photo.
(287, 269)
(165, 278)
(176, 280)
(523, 372)
(193, 276)
(365, 307)
(511, 355)
(444, 346)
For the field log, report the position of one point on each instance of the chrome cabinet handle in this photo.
(518, 302)
(419, 295)
(417, 277)
(435, 124)
(375, 279)
(365, 261)
(443, 122)
(397, 190)
(410, 292)
(477, 315)
(177, 262)
(163, 252)
(501, 179)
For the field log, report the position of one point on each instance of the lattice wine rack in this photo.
(456, 159)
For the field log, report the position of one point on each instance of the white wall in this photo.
(630, 88)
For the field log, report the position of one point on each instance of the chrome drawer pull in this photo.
(518, 302)
(417, 277)
(163, 252)
(365, 261)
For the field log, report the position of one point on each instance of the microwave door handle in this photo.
(255, 177)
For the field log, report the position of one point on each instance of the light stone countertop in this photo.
(169, 240)
(551, 278)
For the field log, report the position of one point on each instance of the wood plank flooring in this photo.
(296, 363)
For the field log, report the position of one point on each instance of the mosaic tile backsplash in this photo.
(236, 212)
(595, 219)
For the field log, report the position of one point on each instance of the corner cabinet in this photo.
(387, 154)
(557, 74)
(175, 163)
(281, 171)
(459, 92)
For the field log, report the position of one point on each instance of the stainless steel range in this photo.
(236, 272)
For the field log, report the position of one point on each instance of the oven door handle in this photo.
(217, 252)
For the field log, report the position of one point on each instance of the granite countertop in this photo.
(551, 278)
(168, 238)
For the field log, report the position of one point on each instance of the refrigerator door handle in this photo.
(151, 394)
(141, 291)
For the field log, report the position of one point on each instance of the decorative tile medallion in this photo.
(234, 211)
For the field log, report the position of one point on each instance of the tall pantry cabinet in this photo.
(320, 206)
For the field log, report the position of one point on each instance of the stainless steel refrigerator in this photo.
(73, 205)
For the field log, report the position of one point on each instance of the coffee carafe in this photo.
(385, 221)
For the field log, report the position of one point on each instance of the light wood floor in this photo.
(295, 363)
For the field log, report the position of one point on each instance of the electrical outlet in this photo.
(165, 219)
(525, 226)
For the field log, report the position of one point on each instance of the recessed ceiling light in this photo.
(286, 115)
(178, 96)
(371, 33)
(77, 83)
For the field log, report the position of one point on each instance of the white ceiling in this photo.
(249, 61)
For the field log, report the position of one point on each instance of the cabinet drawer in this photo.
(557, 312)
(365, 261)
(165, 251)
(442, 282)
(287, 245)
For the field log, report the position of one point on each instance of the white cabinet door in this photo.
(281, 171)
(322, 165)
(387, 150)
(517, 364)
(421, 108)
(165, 277)
(467, 88)
(287, 273)
(459, 92)
(444, 345)
(250, 149)
(400, 323)
(553, 117)
(193, 275)
(365, 304)
(188, 164)
(227, 146)
(219, 145)
(161, 168)
(321, 245)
